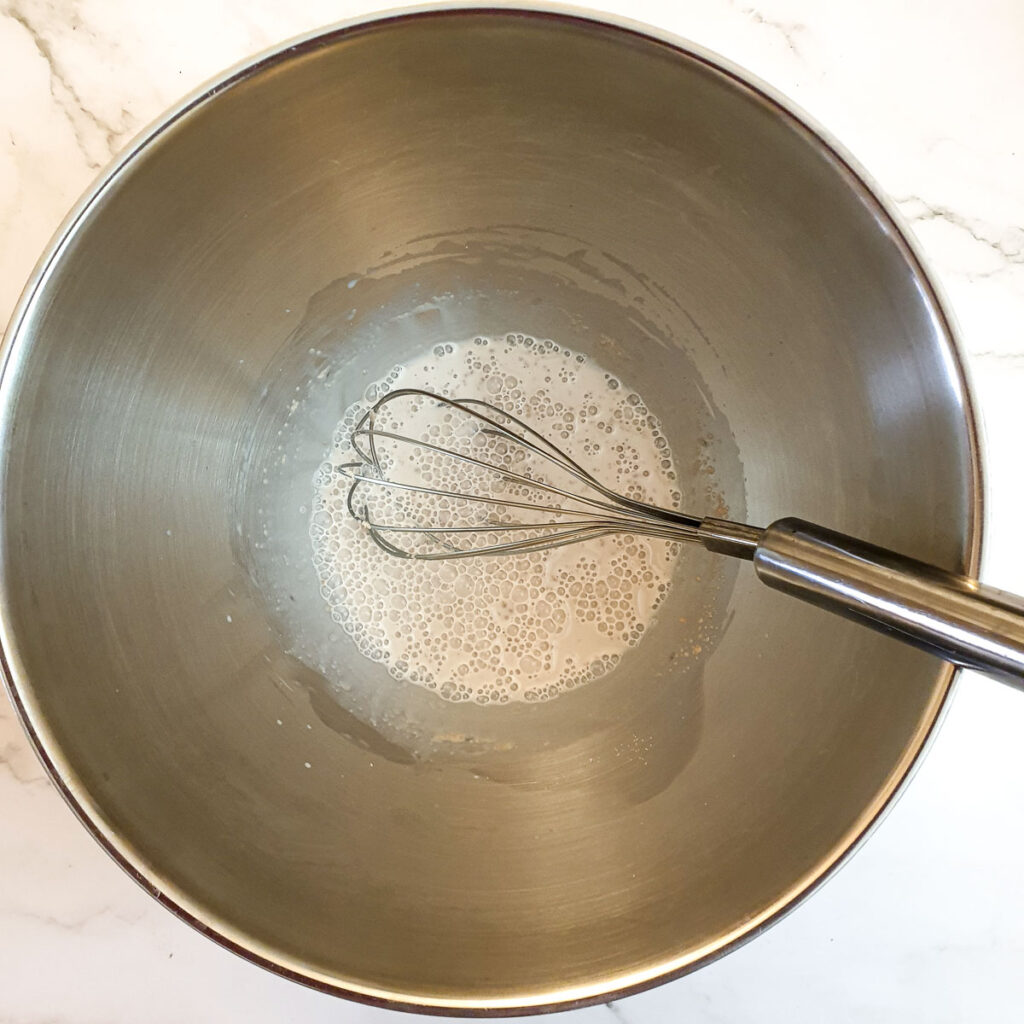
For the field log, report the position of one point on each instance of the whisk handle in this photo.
(953, 616)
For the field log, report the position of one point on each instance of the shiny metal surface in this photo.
(329, 209)
(556, 501)
(947, 614)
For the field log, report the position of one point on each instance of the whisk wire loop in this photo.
(577, 517)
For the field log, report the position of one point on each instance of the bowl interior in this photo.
(232, 286)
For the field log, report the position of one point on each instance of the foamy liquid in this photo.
(525, 627)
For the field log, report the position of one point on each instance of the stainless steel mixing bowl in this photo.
(170, 382)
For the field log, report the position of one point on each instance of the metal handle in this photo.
(953, 616)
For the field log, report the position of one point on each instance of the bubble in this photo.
(497, 630)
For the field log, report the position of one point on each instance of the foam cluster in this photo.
(495, 628)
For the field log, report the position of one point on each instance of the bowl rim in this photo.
(610, 987)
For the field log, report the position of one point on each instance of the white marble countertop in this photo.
(927, 922)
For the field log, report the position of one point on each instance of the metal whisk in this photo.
(548, 515)
(441, 478)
